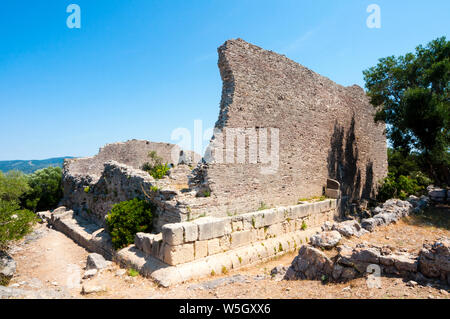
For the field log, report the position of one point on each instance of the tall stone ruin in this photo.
(325, 130)
(282, 131)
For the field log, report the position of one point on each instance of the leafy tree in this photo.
(46, 189)
(411, 94)
(128, 218)
(12, 185)
(14, 221)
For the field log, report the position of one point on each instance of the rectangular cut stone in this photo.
(190, 232)
(253, 220)
(214, 246)
(303, 210)
(242, 238)
(274, 230)
(270, 217)
(173, 234)
(144, 242)
(180, 254)
(209, 228)
(201, 248)
(332, 193)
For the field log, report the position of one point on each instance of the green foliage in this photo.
(154, 189)
(45, 189)
(404, 178)
(15, 222)
(128, 218)
(263, 206)
(133, 272)
(13, 185)
(304, 226)
(400, 187)
(411, 94)
(156, 167)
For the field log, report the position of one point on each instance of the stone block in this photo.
(201, 248)
(209, 228)
(270, 217)
(190, 232)
(274, 230)
(242, 238)
(180, 254)
(173, 234)
(332, 193)
(214, 246)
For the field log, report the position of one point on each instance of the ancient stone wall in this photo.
(93, 184)
(324, 130)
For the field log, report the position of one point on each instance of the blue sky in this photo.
(141, 68)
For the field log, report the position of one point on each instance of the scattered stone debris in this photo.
(121, 272)
(90, 288)
(433, 261)
(15, 293)
(7, 268)
(278, 272)
(96, 261)
(90, 273)
(326, 239)
(310, 264)
(213, 284)
(389, 212)
(349, 228)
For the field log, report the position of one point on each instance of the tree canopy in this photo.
(411, 94)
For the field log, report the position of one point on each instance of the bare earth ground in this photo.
(49, 260)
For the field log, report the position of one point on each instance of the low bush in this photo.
(156, 168)
(128, 218)
(402, 186)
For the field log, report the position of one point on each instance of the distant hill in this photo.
(30, 166)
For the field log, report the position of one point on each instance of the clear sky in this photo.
(142, 68)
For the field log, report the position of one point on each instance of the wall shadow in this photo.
(343, 158)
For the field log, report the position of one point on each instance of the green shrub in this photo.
(128, 218)
(15, 222)
(45, 189)
(156, 167)
(401, 187)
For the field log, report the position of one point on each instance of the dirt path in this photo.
(49, 261)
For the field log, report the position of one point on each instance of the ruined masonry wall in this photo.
(325, 131)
